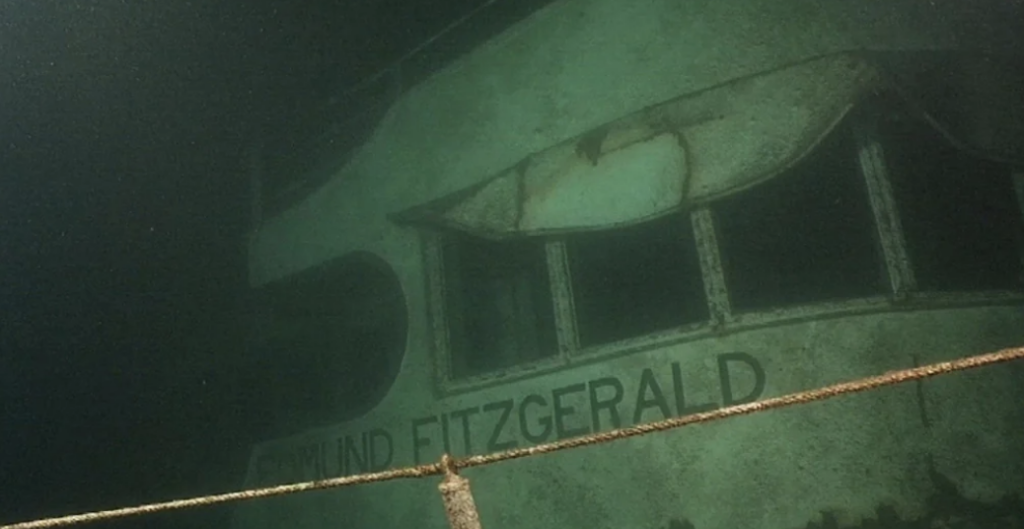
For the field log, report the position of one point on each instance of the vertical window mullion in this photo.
(715, 287)
(561, 295)
(887, 219)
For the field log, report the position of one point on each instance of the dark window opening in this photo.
(636, 280)
(498, 304)
(959, 212)
(805, 236)
(329, 340)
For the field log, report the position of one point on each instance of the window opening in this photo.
(805, 236)
(892, 243)
(636, 280)
(962, 222)
(330, 340)
(498, 303)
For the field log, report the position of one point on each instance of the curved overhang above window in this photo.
(710, 144)
(974, 99)
(662, 158)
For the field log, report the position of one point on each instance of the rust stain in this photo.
(589, 145)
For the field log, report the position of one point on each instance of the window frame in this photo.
(902, 292)
(905, 291)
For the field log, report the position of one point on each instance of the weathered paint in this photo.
(685, 151)
(549, 84)
(779, 469)
(570, 68)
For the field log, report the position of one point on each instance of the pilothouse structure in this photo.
(617, 212)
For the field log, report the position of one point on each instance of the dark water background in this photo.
(124, 204)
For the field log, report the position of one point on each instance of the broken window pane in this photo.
(498, 303)
(636, 280)
(959, 213)
(804, 236)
